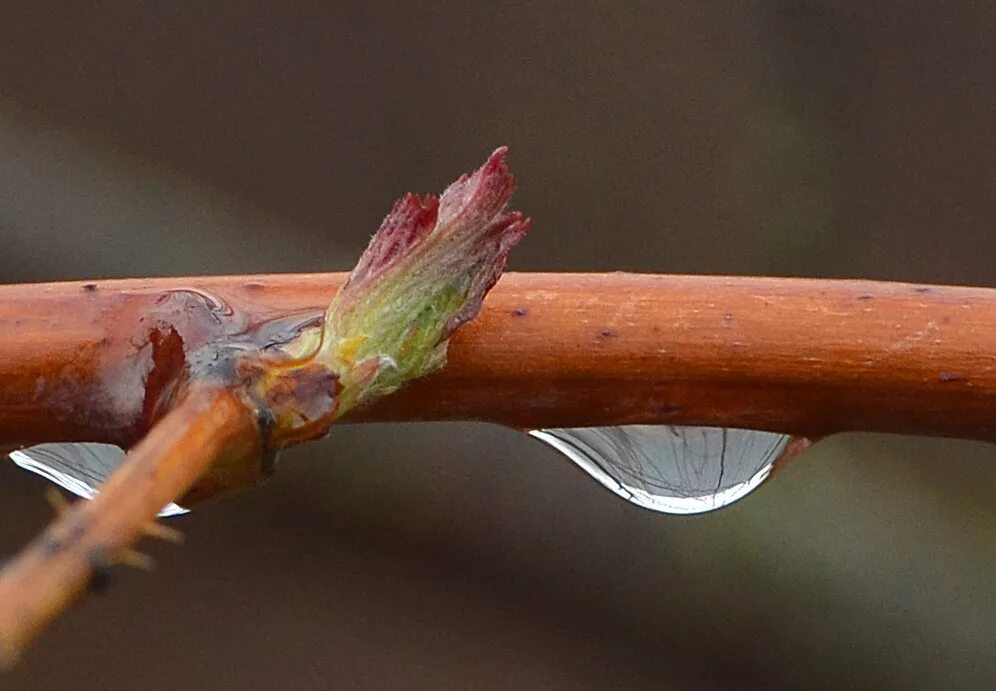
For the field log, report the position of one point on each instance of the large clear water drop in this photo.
(679, 470)
(79, 468)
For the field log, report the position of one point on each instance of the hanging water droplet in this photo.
(672, 469)
(78, 468)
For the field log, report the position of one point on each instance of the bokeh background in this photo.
(844, 139)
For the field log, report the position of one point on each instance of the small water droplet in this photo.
(678, 470)
(77, 468)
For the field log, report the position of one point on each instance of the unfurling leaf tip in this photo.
(424, 273)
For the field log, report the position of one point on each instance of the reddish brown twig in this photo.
(810, 357)
(90, 535)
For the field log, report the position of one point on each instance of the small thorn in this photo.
(137, 560)
(56, 500)
(163, 532)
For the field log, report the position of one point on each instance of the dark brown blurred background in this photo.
(817, 139)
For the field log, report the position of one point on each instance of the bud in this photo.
(425, 272)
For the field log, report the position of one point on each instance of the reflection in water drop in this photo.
(78, 468)
(671, 469)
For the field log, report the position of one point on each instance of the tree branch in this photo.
(85, 361)
(805, 356)
(88, 536)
